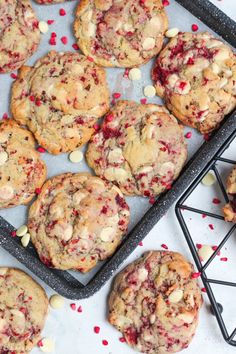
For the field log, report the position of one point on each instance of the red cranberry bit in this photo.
(32, 98)
(40, 343)
(216, 201)
(116, 95)
(13, 233)
(80, 309)
(62, 12)
(52, 41)
(204, 216)
(96, 127)
(13, 76)
(37, 191)
(140, 244)
(196, 275)
(122, 340)
(126, 73)
(38, 102)
(64, 40)
(190, 61)
(96, 329)
(109, 117)
(188, 135)
(224, 259)
(104, 209)
(5, 116)
(132, 335)
(211, 226)
(90, 59)
(73, 307)
(199, 245)
(164, 246)
(204, 290)
(53, 35)
(105, 342)
(182, 85)
(50, 22)
(75, 46)
(143, 101)
(165, 2)
(41, 149)
(194, 27)
(152, 200)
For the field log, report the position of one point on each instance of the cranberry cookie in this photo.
(60, 99)
(120, 33)
(196, 76)
(19, 33)
(155, 303)
(230, 208)
(141, 148)
(21, 169)
(23, 310)
(77, 220)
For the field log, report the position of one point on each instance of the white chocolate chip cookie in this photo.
(77, 220)
(21, 169)
(120, 33)
(141, 148)
(60, 99)
(23, 310)
(19, 33)
(196, 76)
(155, 303)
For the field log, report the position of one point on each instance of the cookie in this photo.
(155, 303)
(77, 220)
(49, 2)
(230, 208)
(140, 148)
(60, 99)
(23, 310)
(196, 76)
(19, 33)
(21, 169)
(120, 33)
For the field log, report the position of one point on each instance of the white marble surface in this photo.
(73, 332)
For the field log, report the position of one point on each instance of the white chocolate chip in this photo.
(142, 274)
(6, 192)
(187, 318)
(149, 91)
(56, 301)
(68, 232)
(3, 271)
(209, 179)
(223, 82)
(228, 73)
(107, 234)
(76, 156)
(3, 157)
(172, 79)
(176, 296)
(22, 230)
(205, 252)
(152, 319)
(117, 190)
(221, 55)
(91, 29)
(25, 240)
(135, 74)
(48, 345)
(3, 324)
(43, 26)
(215, 68)
(172, 32)
(115, 156)
(128, 27)
(115, 174)
(149, 43)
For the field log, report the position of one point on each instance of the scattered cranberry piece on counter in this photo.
(152, 200)
(40, 343)
(64, 40)
(194, 27)
(41, 149)
(188, 135)
(165, 2)
(199, 245)
(52, 41)
(75, 46)
(196, 275)
(13, 233)
(96, 329)
(203, 290)
(224, 259)
(143, 101)
(105, 342)
(50, 22)
(164, 246)
(216, 201)
(62, 12)
(204, 216)
(38, 190)
(122, 340)
(14, 76)
(116, 95)
(73, 307)
(80, 309)
(211, 226)
(5, 116)
(140, 244)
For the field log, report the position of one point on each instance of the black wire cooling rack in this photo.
(181, 206)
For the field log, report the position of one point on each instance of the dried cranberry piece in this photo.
(131, 335)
